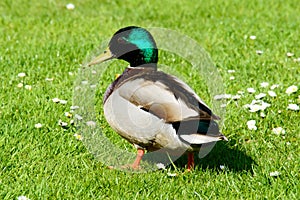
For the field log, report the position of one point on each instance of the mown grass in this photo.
(45, 40)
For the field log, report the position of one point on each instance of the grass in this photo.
(44, 39)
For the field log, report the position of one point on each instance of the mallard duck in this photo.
(152, 109)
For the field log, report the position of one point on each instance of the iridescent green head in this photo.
(132, 44)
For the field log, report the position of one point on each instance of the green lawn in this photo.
(46, 40)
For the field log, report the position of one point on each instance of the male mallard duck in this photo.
(150, 108)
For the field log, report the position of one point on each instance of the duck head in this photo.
(132, 44)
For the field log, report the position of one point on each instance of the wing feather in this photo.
(165, 96)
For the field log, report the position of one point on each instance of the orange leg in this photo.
(191, 163)
(139, 156)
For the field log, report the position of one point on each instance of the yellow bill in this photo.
(102, 57)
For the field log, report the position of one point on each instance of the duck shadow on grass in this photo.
(224, 154)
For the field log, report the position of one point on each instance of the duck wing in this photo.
(173, 101)
(166, 97)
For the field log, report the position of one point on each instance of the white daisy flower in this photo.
(62, 124)
(38, 125)
(222, 96)
(252, 37)
(262, 114)
(264, 105)
(63, 101)
(264, 84)
(231, 77)
(293, 106)
(67, 114)
(257, 105)
(23, 198)
(28, 87)
(74, 107)
(259, 52)
(78, 136)
(254, 101)
(272, 93)
(49, 79)
(91, 123)
(251, 125)
(21, 75)
(274, 86)
(84, 82)
(78, 117)
(254, 107)
(223, 105)
(161, 166)
(56, 100)
(70, 6)
(278, 130)
(291, 89)
(276, 173)
(235, 97)
(289, 54)
(20, 85)
(222, 167)
(260, 96)
(251, 90)
(171, 174)
(230, 71)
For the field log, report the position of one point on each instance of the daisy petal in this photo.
(91, 123)
(251, 125)
(272, 93)
(28, 87)
(21, 75)
(38, 125)
(20, 85)
(260, 96)
(293, 107)
(259, 52)
(78, 136)
(274, 86)
(23, 198)
(251, 90)
(291, 89)
(70, 6)
(160, 166)
(56, 100)
(222, 96)
(62, 101)
(171, 174)
(264, 84)
(276, 173)
(278, 130)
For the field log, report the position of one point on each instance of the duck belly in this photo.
(140, 127)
